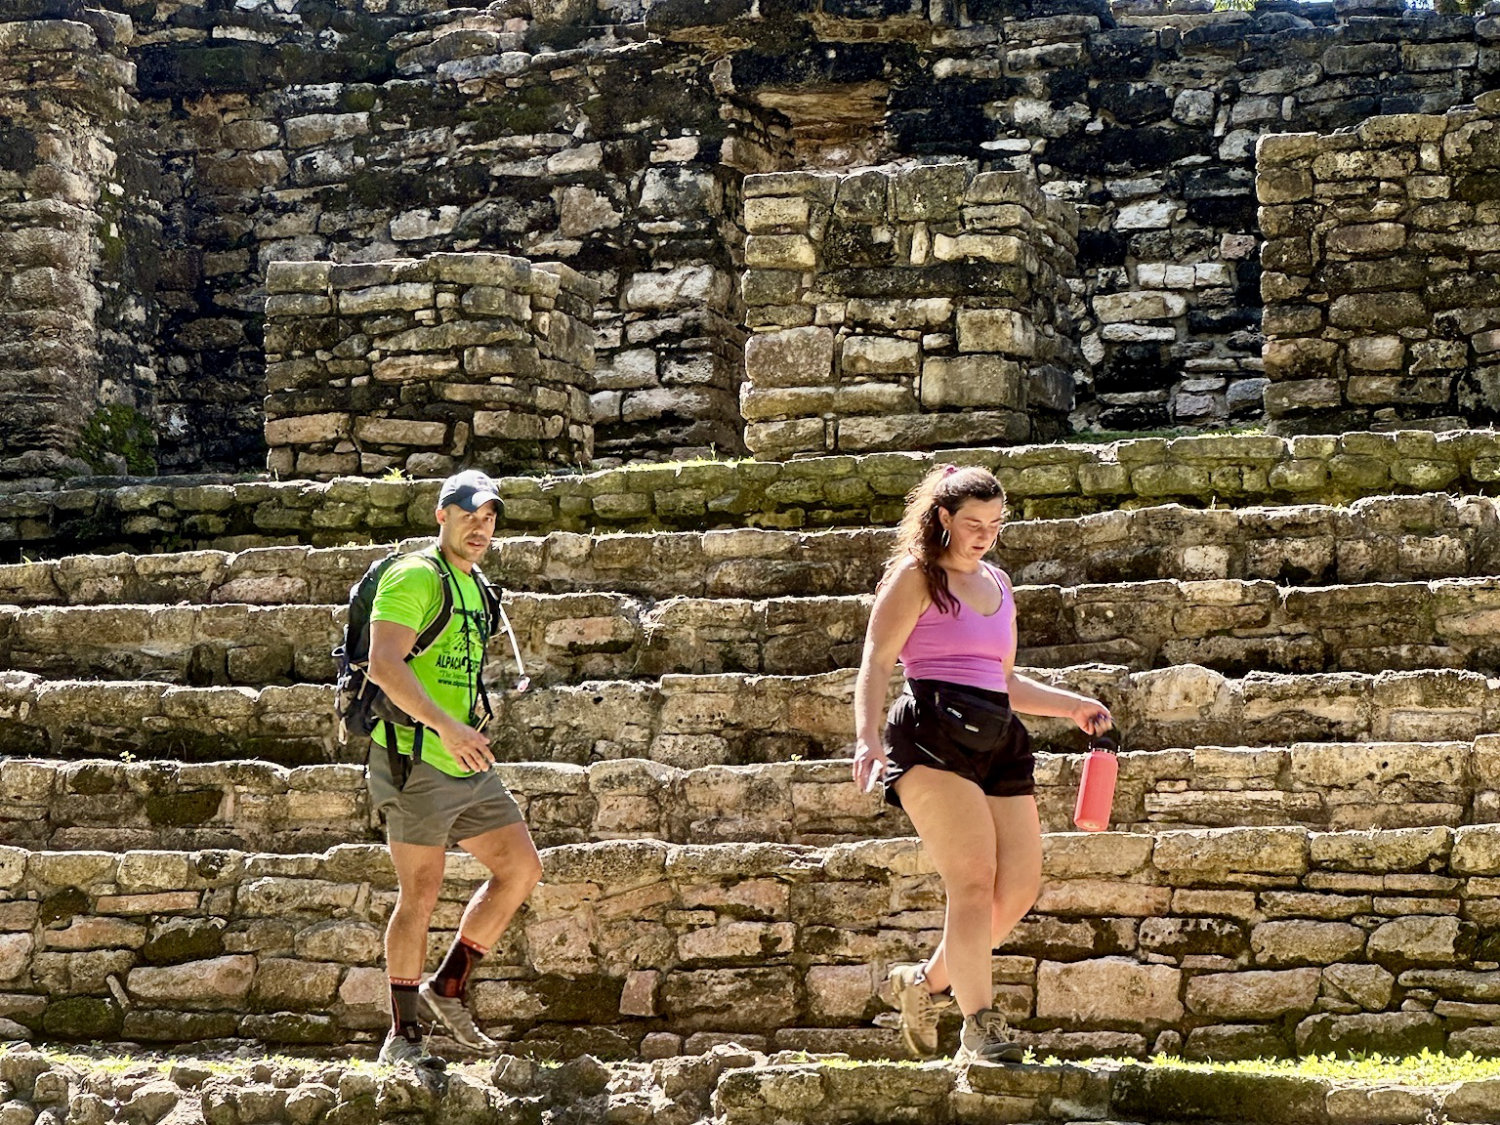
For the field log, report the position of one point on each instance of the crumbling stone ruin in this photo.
(802, 253)
(186, 149)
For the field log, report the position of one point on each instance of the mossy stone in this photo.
(181, 810)
(83, 1017)
(183, 940)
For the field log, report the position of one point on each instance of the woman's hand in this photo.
(1091, 716)
(870, 761)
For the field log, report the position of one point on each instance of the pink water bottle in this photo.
(1096, 791)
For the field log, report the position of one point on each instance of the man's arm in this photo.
(389, 645)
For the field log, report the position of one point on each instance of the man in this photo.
(449, 795)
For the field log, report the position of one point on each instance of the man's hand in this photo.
(469, 747)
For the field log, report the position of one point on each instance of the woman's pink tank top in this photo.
(963, 647)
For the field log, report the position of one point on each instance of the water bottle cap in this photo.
(1108, 743)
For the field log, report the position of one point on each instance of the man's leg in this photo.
(419, 879)
(515, 869)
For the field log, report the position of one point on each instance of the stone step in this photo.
(1233, 626)
(1043, 481)
(256, 806)
(725, 1085)
(736, 719)
(1382, 538)
(1242, 942)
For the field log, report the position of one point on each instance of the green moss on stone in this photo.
(83, 1017)
(121, 430)
(185, 940)
(181, 810)
(60, 908)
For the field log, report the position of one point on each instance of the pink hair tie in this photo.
(949, 470)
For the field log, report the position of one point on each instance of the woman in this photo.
(959, 761)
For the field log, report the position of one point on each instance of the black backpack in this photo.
(358, 702)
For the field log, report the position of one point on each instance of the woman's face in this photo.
(973, 528)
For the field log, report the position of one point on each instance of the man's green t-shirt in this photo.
(410, 593)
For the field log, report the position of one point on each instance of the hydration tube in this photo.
(523, 681)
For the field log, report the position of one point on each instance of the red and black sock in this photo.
(404, 1019)
(452, 977)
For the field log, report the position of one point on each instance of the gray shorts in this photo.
(436, 809)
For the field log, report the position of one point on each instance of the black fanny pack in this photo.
(972, 719)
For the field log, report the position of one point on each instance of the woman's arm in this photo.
(899, 601)
(1032, 698)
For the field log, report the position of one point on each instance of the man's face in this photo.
(466, 534)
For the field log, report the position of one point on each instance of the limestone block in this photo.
(308, 429)
(1378, 310)
(15, 955)
(1376, 353)
(425, 222)
(879, 355)
(1369, 986)
(325, 128)
(1254, 995)
(1421, 940)
(996, 330)
(793, 357)
(926, 313)
(1108, 989)
(971, 380)
(221, 982)
(492, 300)
(1306, 943)
(1000, 248)
(768, 213)
(1366, 238)
(931, 192)
(1112, 308)
(780, 252)
(399, 431)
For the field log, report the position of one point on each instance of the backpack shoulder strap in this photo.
(434, 628)
(491, 598)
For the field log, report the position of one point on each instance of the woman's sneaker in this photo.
(919, 1008)
(452, 1014)
(986, 1038)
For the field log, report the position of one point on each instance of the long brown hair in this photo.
(920, 534)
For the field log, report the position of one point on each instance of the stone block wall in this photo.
(1382, 268)
(909, 309)
(116, 806)
(1230, 942)
(75, 395)
(1041, 482)
(349, 134)
(426, 365)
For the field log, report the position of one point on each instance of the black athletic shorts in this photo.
(914, 737)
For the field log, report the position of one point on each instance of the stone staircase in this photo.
(1301, 859)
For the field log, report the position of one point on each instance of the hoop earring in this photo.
(946, 537)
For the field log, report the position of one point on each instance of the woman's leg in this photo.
(1018, 875)
(953, 818)
(1018, 862)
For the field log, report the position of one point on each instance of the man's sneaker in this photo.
(919, 1009)
(398, 1049)
(985, 1038)
(452, 1014)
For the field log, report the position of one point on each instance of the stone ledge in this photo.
(115, 806)
(735, 719)
(1042, 481)
(1301, 942)
(727, 1084)
(1232, 626)
(1390, 538)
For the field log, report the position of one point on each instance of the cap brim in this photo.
(480, 499)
